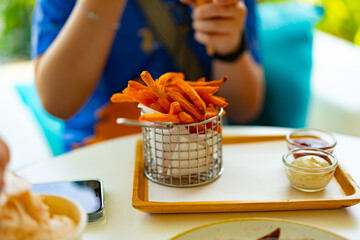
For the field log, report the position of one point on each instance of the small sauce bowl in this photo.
(312, 139)
(308, 178)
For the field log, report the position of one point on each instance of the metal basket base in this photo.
(185, 181)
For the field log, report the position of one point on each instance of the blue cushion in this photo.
(51, 126)
(285, 37)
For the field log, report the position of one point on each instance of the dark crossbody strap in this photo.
(160, 20)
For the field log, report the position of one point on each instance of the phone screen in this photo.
(89, 193)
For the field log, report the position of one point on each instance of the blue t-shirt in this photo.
(128, 56)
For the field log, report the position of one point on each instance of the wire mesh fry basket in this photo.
(183, 155)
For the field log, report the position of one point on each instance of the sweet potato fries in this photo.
(174, 99)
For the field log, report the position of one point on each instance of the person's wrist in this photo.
(234, 54)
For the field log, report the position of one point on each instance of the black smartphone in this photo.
(89, 193)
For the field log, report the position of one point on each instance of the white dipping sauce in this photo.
(310, 161)
(309, 180)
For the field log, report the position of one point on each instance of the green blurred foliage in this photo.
(15, 28)
(342, 18)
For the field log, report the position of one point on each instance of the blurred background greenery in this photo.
(15, 24)
(342, 19)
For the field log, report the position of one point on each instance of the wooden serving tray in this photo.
(347, 191)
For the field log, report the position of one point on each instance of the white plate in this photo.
(255, 228)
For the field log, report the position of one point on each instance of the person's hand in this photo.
(219, 23)
(4, 160)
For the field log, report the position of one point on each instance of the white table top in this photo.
(113, 162)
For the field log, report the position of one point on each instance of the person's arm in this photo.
(70, 68)
(219, 24)
(244, 89)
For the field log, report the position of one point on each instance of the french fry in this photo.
(191, 93)
(128, 97)
(157, 107)
(199, 129)
(136, 95)
(175, 88)
(147, 93)
(159, 117)
(175, 99)
(206, 89)
(217, 101)
(209, 83)
(136, 85)
(210, 108)
(186, 118)
(211, 111)
(121, 98)
(161, 87)
(209, 115)
(146, 77)
(202, 79)
(170, 75)
(221, 98)
(185, 104)
(175, 108)
(163, 101)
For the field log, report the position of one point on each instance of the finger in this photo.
(218, 26)
(201, 2)
(226, 2)
(189, 2)
(211, 10)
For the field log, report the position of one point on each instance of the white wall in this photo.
(335, 99)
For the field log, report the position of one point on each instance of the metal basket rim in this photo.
(172, 125)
